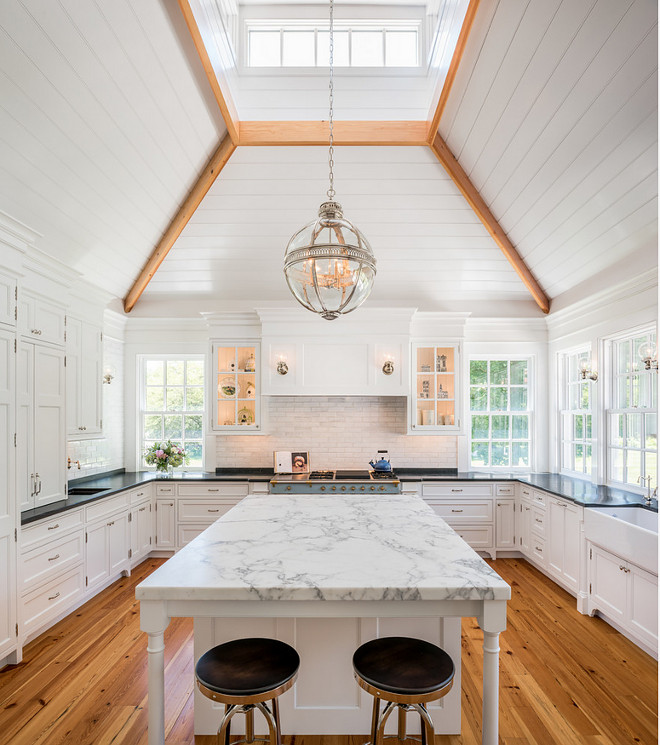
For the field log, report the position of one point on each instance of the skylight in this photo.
(357, 44)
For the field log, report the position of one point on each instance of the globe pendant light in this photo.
(329, 265)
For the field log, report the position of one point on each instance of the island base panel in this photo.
(326, 699)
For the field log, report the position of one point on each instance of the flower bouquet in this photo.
(165, 456)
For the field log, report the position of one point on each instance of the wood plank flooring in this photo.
(565, 679)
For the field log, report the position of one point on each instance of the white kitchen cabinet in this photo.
(107, 549)
(8, 505)
(524, 526)
(166, 523)
(141, 519)
(435, 395)
(84, 362)
(236, 387)
(40, 319)
(624, 593)
(505, 511)
(40, 425)
(8, 300)
(563, 541)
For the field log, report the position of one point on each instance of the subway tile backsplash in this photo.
(338, 432)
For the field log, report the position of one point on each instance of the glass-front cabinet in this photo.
(435, 394)
(236, 386)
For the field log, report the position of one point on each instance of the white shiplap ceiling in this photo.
(106, 120)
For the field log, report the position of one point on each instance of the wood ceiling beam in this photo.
(461, 43)
(476, 201)
(345, 133)
(214, 73)
(217, 162)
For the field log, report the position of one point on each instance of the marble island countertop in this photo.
(345, 548)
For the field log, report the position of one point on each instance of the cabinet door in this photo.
(165, 527)
(25, 483)
(7, 495)
(236, 388)
(8, 312)
(118, 540)
(523, 528)
(141, 530)
(73, 359)
(435, 399)
(572, 519)
(555, 536)
(643, 604)
(91, 364)
(49, 425)
(505, 523)
(96, 554)
(608, 584)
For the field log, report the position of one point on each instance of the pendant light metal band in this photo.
(331, 87)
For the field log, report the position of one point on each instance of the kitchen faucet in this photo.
(646, 481)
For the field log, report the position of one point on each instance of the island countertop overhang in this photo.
(290, 548)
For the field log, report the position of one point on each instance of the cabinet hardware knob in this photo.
(139, 494)
(53, 558)
(53, 527)
(536, 548)
(343, 488)
(362, 488)
(352, 488)
(56, 595)
(622, 568)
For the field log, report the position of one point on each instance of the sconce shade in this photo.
(329, 265)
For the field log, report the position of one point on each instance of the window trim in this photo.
(530, 411)
(141, 410)
(563, 398)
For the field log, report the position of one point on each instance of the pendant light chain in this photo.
(331, 86)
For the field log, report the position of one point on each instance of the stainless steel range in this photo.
(336, 482)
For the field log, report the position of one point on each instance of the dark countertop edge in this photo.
(579, 491)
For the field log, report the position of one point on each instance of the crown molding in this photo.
(18, 233)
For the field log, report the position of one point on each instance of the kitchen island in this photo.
(277, 562)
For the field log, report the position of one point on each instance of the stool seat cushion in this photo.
(247, 667)
(404, 666)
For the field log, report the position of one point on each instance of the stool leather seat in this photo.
(247, 667)
(404, 666)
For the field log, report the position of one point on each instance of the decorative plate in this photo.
(228, 387)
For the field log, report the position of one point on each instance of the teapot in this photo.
(383, 462)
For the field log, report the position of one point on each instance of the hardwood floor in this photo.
(565, 678)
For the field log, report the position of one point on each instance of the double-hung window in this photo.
(172, 405)
(500, 413)
(576, 421)
(632, 441)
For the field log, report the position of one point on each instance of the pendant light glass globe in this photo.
(329, 265)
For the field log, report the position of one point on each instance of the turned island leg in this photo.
(492, 622)
(154, 621)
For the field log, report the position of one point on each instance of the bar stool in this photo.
(243, 674)
(406, 674)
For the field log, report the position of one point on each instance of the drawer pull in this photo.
(208, 489)
(53, 597)
(457, 491)
(537, 520)
(139, 494)
(213, 510)
(37, 332)
(53, 558)
(53, 527)
(112, 523)
(142, 509)
(536, 548)
(457, 510)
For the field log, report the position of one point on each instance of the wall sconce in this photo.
(648, 353)
(388, 366)
(586, 373)
(282, 368)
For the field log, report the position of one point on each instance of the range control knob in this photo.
(362, 488)
(373, 488)
(288, 488)
(382, 488)
(352, 488)
(323, 488)
(334, 488)
(343, 488)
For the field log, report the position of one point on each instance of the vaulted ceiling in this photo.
(107, 119)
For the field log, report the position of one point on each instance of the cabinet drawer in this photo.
(525, 492)
(206, 510)
(539, 497)
(505, 490)
(41, 605)
(537, 548)
(49, 529)
(45, 562)
(451, 490)
(105, 507)
(538, 520)
(411, 487)
(474, 510)
(139, 495)
(165, 490)
(479, 536)
(213, 490)
(188, 532)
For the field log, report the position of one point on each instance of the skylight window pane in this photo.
(264, 48)
(298, 49)
(341, 49)
(367, 49)
(401, 48)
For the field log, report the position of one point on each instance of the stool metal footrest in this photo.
(272, 719)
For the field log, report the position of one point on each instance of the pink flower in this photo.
(159, 454)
